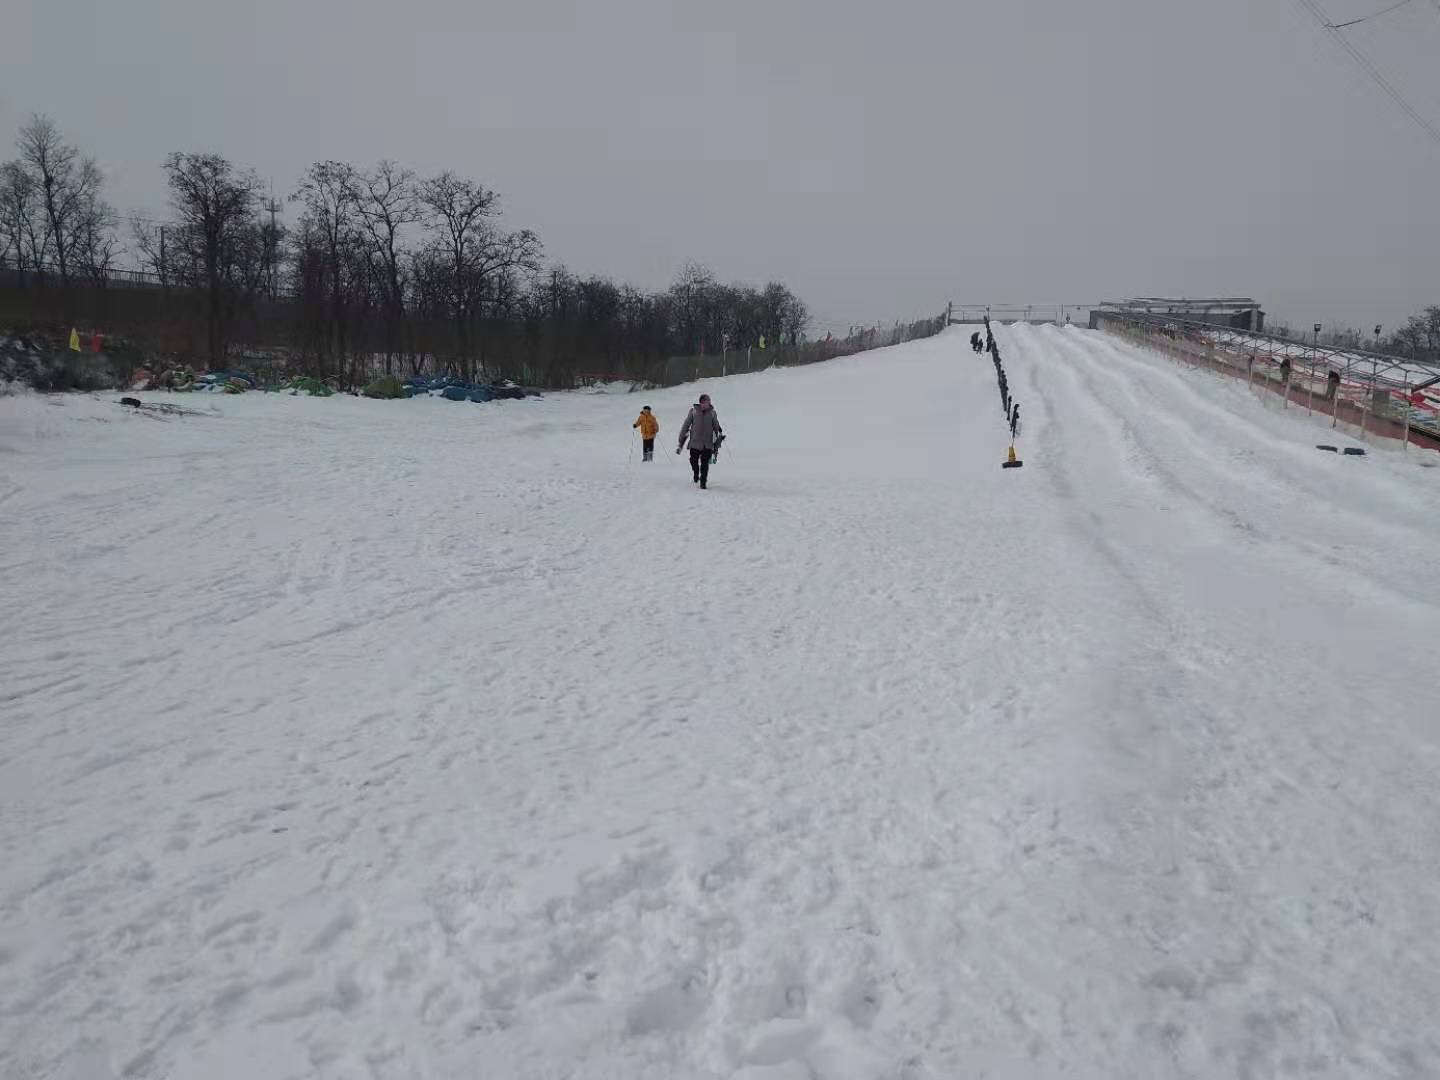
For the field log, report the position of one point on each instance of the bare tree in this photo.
(690, 297)
(331, 227)
(1410, 338)
(500, 254)
(75, 217)
(94, 240)
(388, 203)
(17, 217)
(794, 318)
(212, 236)
(148, 242)
(455, 213)
(467, 256)
(784, 314)
(1431, 320)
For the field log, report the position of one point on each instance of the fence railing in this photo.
(13, 276)
(684, 369)
(1012, 407)
(1369, 395)
(976, 314)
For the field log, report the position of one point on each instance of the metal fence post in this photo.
(1335, 405)
(1405, 446)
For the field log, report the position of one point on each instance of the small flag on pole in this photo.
(74, 340)
(97, 342)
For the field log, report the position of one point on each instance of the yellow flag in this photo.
(74, 339)
(762, 341)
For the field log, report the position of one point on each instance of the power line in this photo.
(1367, 18)
(1313, 8)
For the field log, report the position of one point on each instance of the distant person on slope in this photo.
(649, 428)
(975, 342)
(702, 427)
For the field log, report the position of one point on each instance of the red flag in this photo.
(96, 340)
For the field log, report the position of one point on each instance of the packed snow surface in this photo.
(343, 738)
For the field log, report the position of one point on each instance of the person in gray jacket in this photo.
(702, 427)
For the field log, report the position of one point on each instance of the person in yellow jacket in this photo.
(649, 428)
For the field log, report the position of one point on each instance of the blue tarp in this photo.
(226, 376)
(455, 389)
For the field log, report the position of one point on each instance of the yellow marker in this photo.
(74, 340)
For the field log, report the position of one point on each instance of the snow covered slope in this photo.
(415, 739)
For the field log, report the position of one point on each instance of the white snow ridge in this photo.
(403, 740)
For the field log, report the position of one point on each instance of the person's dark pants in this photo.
(700, 464)
(648, 445)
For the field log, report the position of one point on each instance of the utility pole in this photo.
(272, 243)
(164, 277)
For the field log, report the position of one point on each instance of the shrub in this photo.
(66, 370)
(388, 387)
(306, 385)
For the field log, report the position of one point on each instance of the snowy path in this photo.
(344, 738)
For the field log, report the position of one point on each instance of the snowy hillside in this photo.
(343, 738)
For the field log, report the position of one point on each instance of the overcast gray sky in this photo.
(879, 157)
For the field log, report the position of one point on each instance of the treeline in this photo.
(383, 271)
(1418, 338)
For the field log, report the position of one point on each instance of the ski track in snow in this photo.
(419, 739)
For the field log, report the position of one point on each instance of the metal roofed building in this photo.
(1236, 312)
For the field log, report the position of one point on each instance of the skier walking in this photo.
(649, 428)
(975, 342)
(702, 428)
